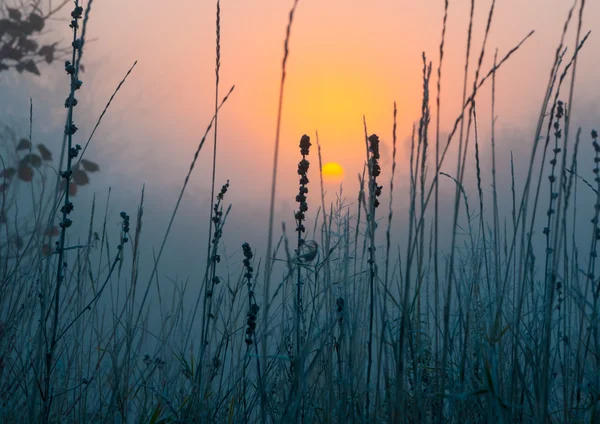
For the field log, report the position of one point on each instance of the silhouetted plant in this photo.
(20, 33)
(374, 193)
(211, 278)
(296, 366)
(375, 169)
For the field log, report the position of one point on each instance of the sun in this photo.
(333, 172)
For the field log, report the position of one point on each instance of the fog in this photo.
(345, 61)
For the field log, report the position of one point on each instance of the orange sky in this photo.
(347, 59)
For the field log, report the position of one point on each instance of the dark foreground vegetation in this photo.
(337, 323)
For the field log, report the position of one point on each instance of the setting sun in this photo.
(333, 172)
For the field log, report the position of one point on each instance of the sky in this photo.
(347, 59)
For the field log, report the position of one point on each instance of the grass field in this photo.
(340, 321)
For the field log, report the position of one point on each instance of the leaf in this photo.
(46, 154)
(52, 231)
(36, 22)
(231, 410)
(89, 166)
(9, 52)
(18, 242)
(31, 67)
(25, 172)
(5, 25)
(47, 52)
(80, 177)
(72, 188)
(27, 44)
(157, 412)
(14, 14)
(81, 68)
(46, 250)
(8, 173)
(33, 160)
(24, 144)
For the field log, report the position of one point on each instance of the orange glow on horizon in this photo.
(329, 100)
(346, 60)
(333, 101)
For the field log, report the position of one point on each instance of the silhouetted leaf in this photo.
(81, 68)
(72, 188)
(80, 177)
(25, 172)
(52, 231)
(28, 44)
(5, 25)
(8, 173)
(25, 29)
(46, 250)
(14, 14)
(47, 52)
(46, 154)
(10, 28)
(9, 52)
(31, 67)
(24, 144)
(36, 22)
(89, 165)
(33, 160)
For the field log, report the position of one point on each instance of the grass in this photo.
(486, 331)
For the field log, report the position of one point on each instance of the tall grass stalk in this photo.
(268, 265)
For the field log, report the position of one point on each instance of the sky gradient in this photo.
(347, 59)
